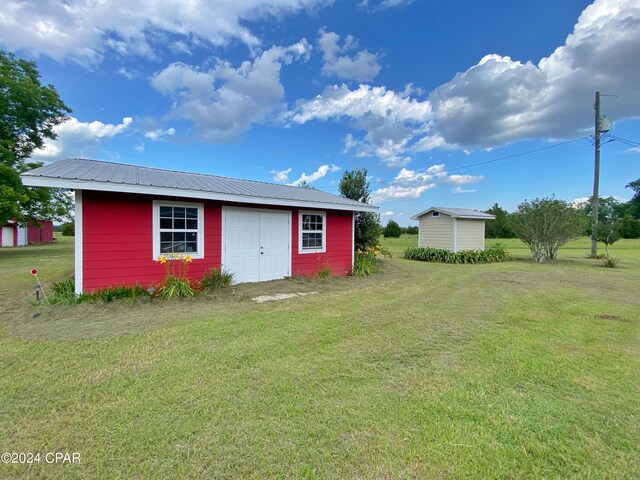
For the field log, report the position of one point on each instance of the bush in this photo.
(392, 230)
(609, 262)
(176, 282)
(369, 261)
(544, 225)
(495, 253)
(216, 279)
(64, 292)
(324, 273)
(68, 229)
(173, 286)
(629, 227)
(413, 230)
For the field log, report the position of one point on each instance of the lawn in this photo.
(512, 370)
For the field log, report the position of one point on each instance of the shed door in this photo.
(7, 236)
(256, 245)
(22, 236)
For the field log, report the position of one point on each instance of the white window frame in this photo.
(156, 225)
(323, 249)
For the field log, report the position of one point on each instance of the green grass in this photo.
(509, 370)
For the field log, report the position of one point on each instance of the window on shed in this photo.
(178, 229)
(312, 232)
(435, 214)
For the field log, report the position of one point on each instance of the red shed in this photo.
(127, 216)
(14, 234)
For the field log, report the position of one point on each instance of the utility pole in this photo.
(596, 181)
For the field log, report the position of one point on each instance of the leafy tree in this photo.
(500, 227)
(629, 227)
(609, 210)
(29, 112)
(392, 230)
(413, 230)
(544, 225)
(633, 206)
(354, 185)
(608, 232)
(69, 229)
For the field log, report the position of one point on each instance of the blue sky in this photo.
(459, 104)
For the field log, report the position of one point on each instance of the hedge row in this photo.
(495, 253)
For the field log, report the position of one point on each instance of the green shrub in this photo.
(609, 262)
(215, 279)
(64, 292)
(369, 261)
(68, 230)
(495, 253)
(173, 287)
(392, 230)
(324, 273)
(364, 265)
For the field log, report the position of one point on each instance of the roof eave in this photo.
(418, 215)
(56, 182)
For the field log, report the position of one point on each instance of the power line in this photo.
(631, 143)
(515, 155)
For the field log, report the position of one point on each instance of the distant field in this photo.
(428, 371)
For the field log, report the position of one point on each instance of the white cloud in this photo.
(463, 179)
(281, 175)
(396, 192)
(361, 67)
(319, 173)
(580, 202)
(85, 31)
(406, 184)
(387, 214)
(413, 183)
(632, 150)
(501, 100)
(384, 4)
(389, 120)
(225, 101)
(76, 138)
(159, 134)
(462, 190)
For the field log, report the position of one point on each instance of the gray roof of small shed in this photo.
(84, 174)
(457, 213)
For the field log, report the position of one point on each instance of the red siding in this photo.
(118, 245)
(339, 249)
(39, 234)
(117, 241)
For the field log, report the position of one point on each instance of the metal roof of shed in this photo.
(457, 213)
(85, 174)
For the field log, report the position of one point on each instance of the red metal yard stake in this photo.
(34, 272)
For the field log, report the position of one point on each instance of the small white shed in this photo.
(452, 229)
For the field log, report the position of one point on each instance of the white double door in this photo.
(256, 244)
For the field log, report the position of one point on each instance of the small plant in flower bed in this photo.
(64, 292)
(216, 279)
(324, 273)
(495, 253)
(176, 283)
(369, 261)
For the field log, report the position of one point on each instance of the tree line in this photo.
(623, 218)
